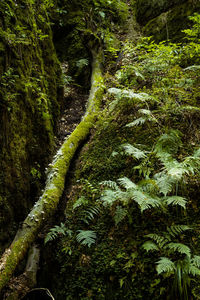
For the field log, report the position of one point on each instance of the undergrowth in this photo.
(134, 204)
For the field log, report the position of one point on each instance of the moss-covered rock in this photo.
(30, 101)
(149, 9)
(169, 24)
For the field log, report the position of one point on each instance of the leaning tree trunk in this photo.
(49, 200)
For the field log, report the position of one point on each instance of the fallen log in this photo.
(54, 187)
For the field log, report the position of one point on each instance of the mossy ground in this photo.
(116, 266)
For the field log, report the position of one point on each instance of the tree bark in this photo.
(49, 200)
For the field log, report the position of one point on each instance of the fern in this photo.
(148, 186)
(175, 230)
(150, 246)
(179, 247)
(145, 201)
(108, 197)
(193, 270)
(165, 265)
(196, 261)
(168, 142)
(129, 94)
(79, 202)
(127, 183)
(89, 214)
(109, 183)
(82, 63)
(133, 151)
(161, 241)
(137, 122)
(147, 116)
(164, 182)
(57, 231)
(176, 200)
(86, 237)
(120, 214)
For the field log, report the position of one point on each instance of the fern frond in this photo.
(150, 246)
(56, 231)
(114, 153)
(195, 271)
(161, 241)
(145, 201)
(115, 91)
(89, 214)
(164, 182)
(169, 142)
(80, 201)
(50, 237)
(137, 122)
(138, 74)
(133, 151)
(165, 265)
(176, 200)
(86, 237)
(192, 163)
(109, 183)
(148, 186)
(82, 63)
(175, 230)
(120, 214)
(147, 116)
(129, 94)
(127, 183)
(179, 247)
(177, 172)
(196, 153)
(189, 108)
(196, 261)
(108, 197)
(146, 112)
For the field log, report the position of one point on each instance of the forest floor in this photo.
(73, 109)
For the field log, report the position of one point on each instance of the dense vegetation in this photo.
(130, 228)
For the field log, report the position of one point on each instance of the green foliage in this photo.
(57, 231)
(152, 163)
(89, 214)
(193, 34)
(181, 269)
(165, 265)
(120, 214)
(146, 116)
(86, 237)
(133, 151)
(81, 63)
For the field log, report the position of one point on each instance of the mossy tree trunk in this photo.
(49, 200)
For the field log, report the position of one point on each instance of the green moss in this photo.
(149, 9)
(30, 103)
(169, 25)
(48, 202)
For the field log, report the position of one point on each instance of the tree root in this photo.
(49, 200)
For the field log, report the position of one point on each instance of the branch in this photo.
(49, 200)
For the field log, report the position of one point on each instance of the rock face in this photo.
(29, 106)
(165, 19)
(147, 9)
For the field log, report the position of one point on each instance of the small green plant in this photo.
(177, 262)
(57, 231)
(81, 63)
(86, 237)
